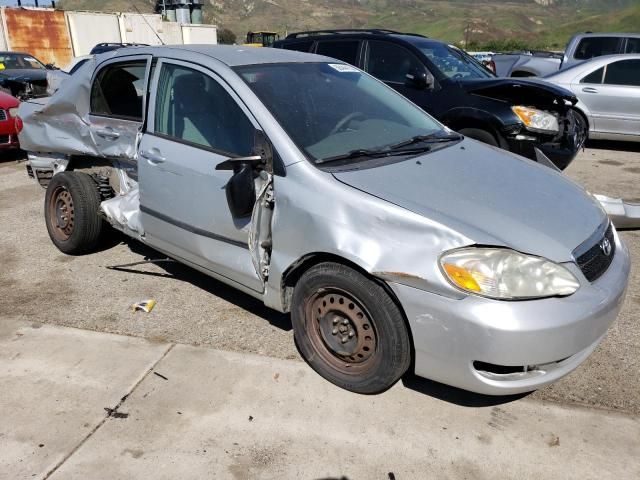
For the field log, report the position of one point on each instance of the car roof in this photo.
(374, 34)
(577, 69)
(606, 34)
(232, 55)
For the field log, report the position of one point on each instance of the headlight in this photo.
(537, 119)
(505, 274)
(13, 112)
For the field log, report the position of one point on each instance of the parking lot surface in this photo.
(38, 283)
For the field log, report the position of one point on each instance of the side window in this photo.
(594, 77)
(347, 51)
(390, 62)
(194, 108)
(591, 47)
(623, 72)
(118, 90)
(299, 46)
(633, 45)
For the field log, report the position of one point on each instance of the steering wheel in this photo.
(457, 76)
(344, 121)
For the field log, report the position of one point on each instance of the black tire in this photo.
(480, 135)
(583, 119)
(71, 212)
(330, 302)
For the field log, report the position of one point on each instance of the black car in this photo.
(23, 75)
(531, 118)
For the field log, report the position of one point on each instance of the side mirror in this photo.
(241, 190)
(51, 66)
(420, 79)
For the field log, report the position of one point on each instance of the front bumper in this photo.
(548, 338)
(561, 149)
(8, 134)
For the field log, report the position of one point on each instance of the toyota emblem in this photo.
(605, 246)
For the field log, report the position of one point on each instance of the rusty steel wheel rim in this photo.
(61, 213)
(341, 330)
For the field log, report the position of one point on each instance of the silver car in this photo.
(608, 90)
(394, 242)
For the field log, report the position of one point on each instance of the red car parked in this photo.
(8, 121)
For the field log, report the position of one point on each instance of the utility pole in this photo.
(467, 32)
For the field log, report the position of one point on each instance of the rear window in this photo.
(633, 45)
(118, 90)
(347, 51)
(594, 77)
(591, 47)
(623, 72)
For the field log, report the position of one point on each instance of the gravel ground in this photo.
(39, 283)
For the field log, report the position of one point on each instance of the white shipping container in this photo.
(171, 33)
(140, 28)
(89, 29)
(199, 34)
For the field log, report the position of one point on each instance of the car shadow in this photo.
(614, 145)
(178, 271)
(12, 155)
(455, 395)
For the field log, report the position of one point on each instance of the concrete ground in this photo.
(79, 405)
(59, 395)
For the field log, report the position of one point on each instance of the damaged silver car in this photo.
(394, 242)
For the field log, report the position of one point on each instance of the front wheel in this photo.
(349, 329)
(480, 135)
(71, 212)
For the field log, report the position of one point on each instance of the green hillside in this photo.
(537, 23)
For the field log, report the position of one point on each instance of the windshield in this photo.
(16, 61)
(453, 62)
(332, 109)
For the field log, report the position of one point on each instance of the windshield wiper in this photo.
(430, 138)
(381, 153)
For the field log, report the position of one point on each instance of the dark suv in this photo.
(531, 118)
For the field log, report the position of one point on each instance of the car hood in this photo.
(24, 75)
(490, 196)
(518, 91)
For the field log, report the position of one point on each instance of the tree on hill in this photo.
(226, 37)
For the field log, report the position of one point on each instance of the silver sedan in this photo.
(608, 89)
(394, 242)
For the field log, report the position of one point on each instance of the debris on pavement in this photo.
(113, 412)
(144, 306)
(160, 375)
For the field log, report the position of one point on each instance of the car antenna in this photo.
(145, 21)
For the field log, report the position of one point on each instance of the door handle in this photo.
(589, 90)
(152, 157)
(109, 133)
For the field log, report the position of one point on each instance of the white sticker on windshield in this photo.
(29, 59)
(341, 67)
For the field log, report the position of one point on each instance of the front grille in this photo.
(594, 262)
(3, 115)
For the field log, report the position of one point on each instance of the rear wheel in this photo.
(480, 135)
(71, 212)
(349, 329)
